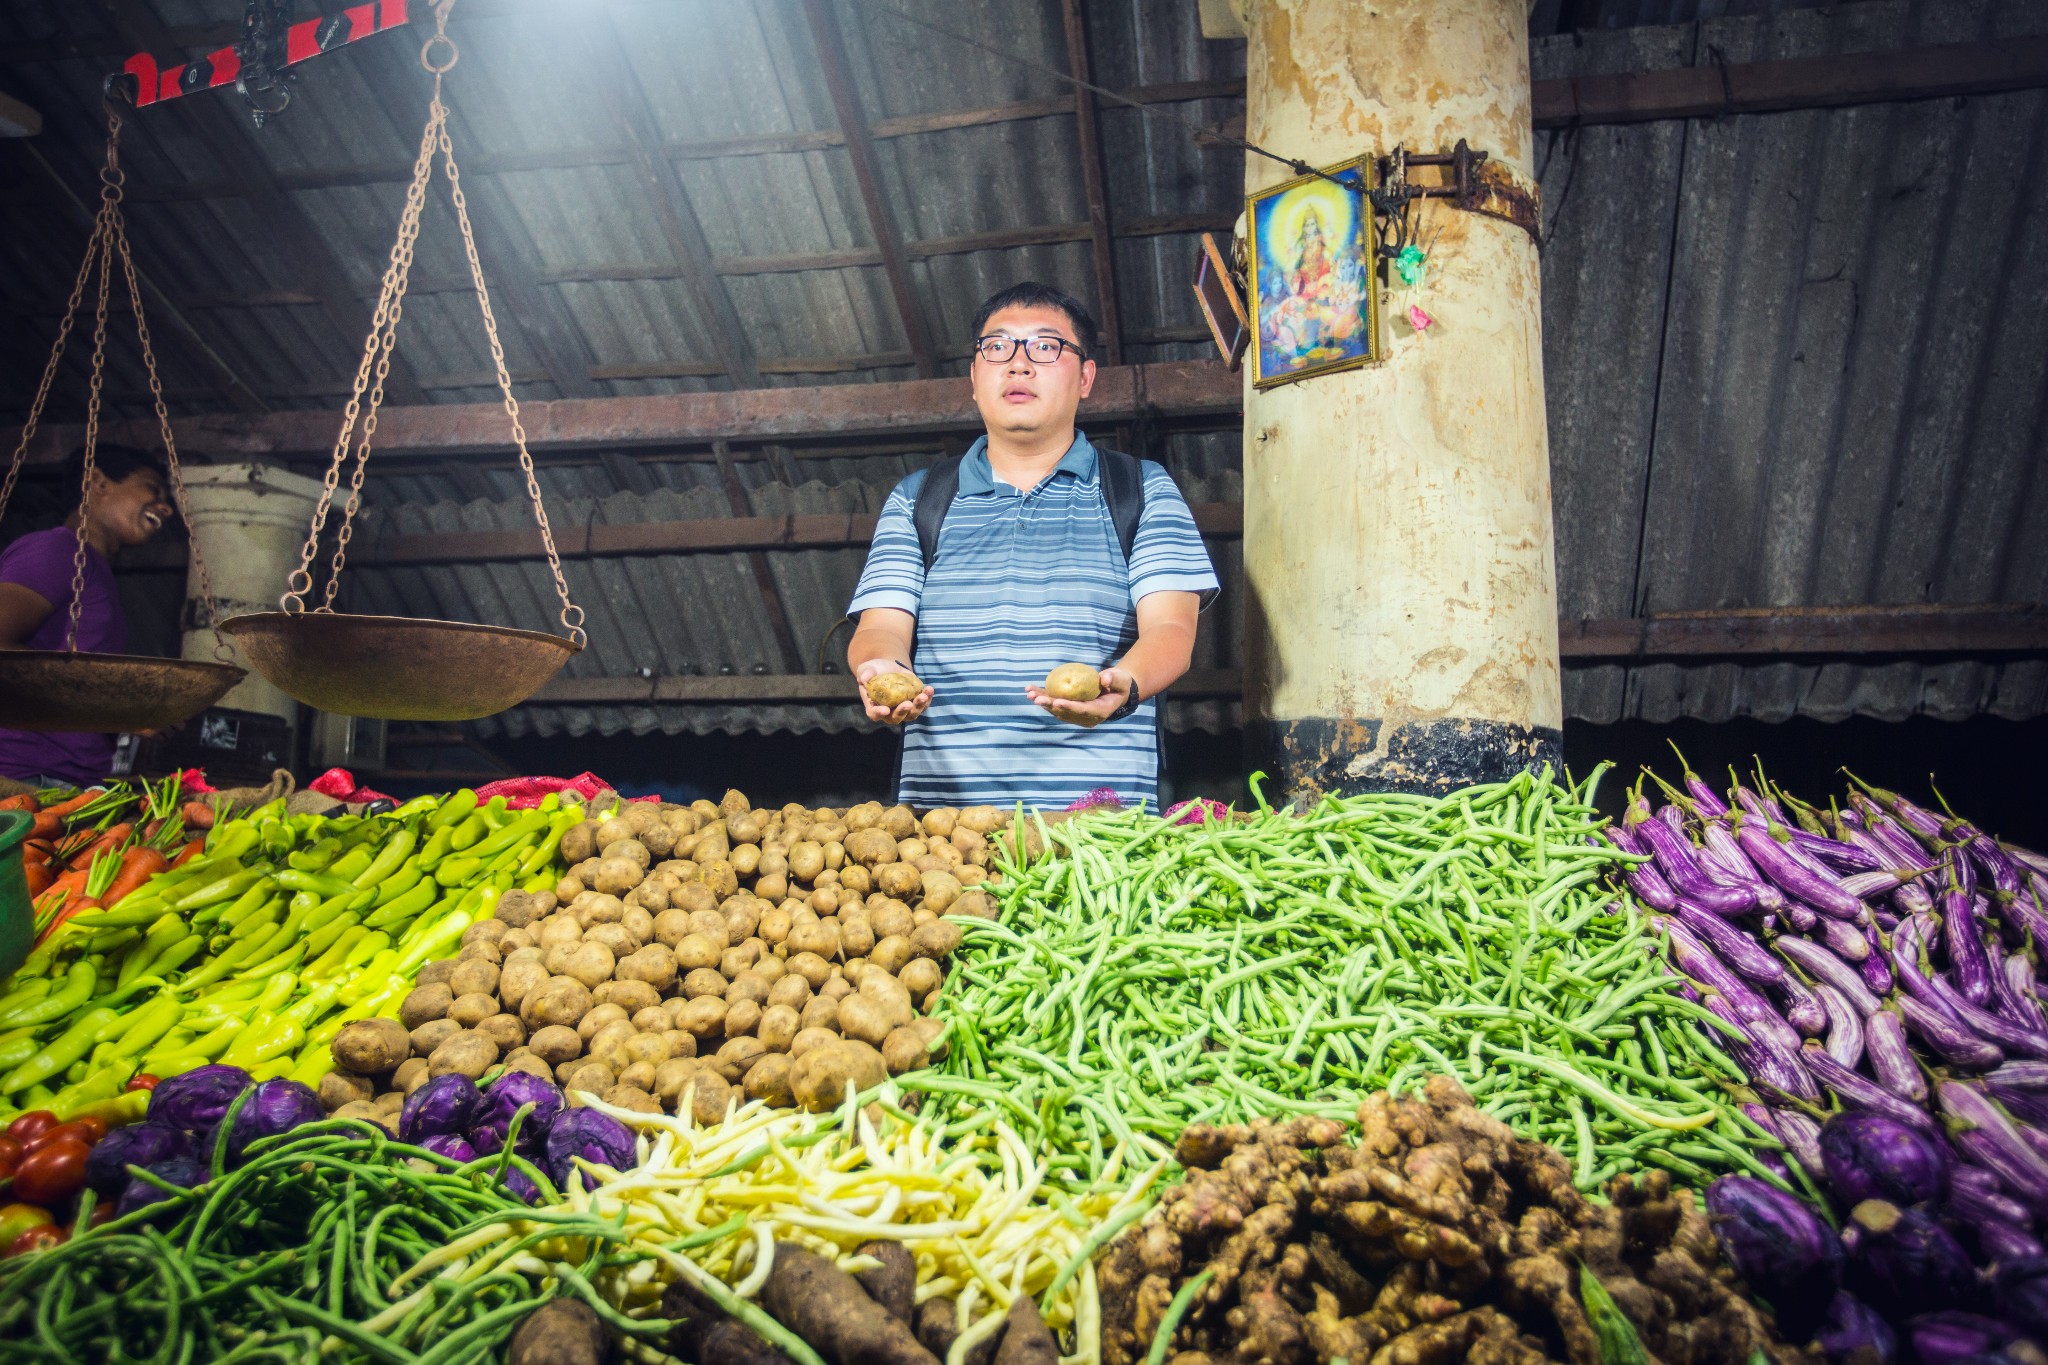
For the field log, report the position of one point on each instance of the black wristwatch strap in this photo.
(1131, 700)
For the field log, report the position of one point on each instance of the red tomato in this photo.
(7, 1164)
(102, 1212)
(143, 1081)
(38, 1239)
(10, 1149)
(51, 1174)
(83, 1131)
(35, 1121)
(16, 1219)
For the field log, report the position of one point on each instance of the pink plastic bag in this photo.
(524, 793)
(340, 785)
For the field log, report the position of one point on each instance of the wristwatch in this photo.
(1131, 700)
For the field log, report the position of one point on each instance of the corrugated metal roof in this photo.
(1790, 358)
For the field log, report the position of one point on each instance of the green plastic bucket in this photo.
(17, 916)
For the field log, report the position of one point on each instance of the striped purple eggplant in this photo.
(1883, 882)
(1873, 1156)
(1834, 854)
(1802, 1008)
(2013, 999)
(1969, 961)
(1779, 1247)
(1822, 965)
(1803, 918)
(2019, 1291)
(2026, 858)
(1859, 1092)
(1987, 1133)
(1905, 1259)
(1856, 1334)
(1876, 971)
(1731, 944)
(2003, 1243)
(2021, 1076)
(1758, 1022)
(1948, 1038)
(1793, 877)
(1958, 1338)
(1675, 860)
(1801, 1136)
(1851, 825)
(1845, 1027)
(1695, 959)
(1845, 940)
(1705, 797)
(1972, 1202)
(1643, 879)
(1716, 838)
(1908, 959)
(2028, 1107)
(1891, 1057)
(1913, 899)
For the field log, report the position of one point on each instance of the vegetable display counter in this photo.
(1389, 1080)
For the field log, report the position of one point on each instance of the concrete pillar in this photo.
(250, 521)
(1402, 602)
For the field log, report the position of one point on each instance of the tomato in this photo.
(16, 1219)
(7, 1164)
(83, 1131)
(51, 1174)
(37, 1239)
(10, 1149)
(143, 1081)
(32, 1123)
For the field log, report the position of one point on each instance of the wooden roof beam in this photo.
(860, 146)
(1094, 182)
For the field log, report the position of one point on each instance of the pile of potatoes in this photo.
(694, 952)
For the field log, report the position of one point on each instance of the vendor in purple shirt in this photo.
(129, 504)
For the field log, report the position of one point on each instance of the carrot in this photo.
(189, 852)
(49, 824)
(115, 836)
(198, 815)
(62, 808)
(26, 801)
(39, 878)
(137, 867)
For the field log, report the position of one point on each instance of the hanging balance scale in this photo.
(396, 667)
(70, 689)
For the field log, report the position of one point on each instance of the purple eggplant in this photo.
(1801, 917)
(1957, 1338)
(1779, 1247)
(1987, 1133)
(2019, 974)
(2026, 858)
(1859, 1092)
(1891, 1059)
(1643, 878)
(2000, 1242)
(1845, 1027)
(1856, 832)
(2021, 1076)
(1871, 1156)
(1741, 952)
(1672, 816)
(1803, 1009)
(2012, 996)
(1876, 973)
(1822, 965)
(1855, 1334)
(1716, 838)
(1967, 956)
(2029, 1108)
(1801, 1136)
(1703, 796)
(1883, 882)
(2019, 1290)
(1674, 855)
(1996, 1028)
(1762, 1027)
(1694, 958)
(1947, 1038)
(1913, 899)
(1773, 1072)
(1835, 855)
(1969, 1202)
(1845, 940)
(1793, 877)
(1905, 1260)
(1908, 958)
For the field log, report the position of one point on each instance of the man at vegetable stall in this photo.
(1048, 550)
(129, 504)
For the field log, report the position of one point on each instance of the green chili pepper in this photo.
(61, 1052)
(76, 990)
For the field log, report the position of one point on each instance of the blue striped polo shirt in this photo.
(1023, 582)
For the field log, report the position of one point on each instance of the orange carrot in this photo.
(189, 852)
(39, 878)
(115, 836)
(26, 801)
(49, 824)
(137, 867)
(62, 808)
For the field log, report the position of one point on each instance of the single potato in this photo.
(893, 689)
(1074, 682)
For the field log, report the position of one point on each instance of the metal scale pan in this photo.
(72, 690)
(398, 667)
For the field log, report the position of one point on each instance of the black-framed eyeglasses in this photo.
(1040, 350)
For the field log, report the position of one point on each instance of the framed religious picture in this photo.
(1312, 274)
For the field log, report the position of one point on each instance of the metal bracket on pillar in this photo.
(1477, 185)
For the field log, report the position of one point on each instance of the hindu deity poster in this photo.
(1313, 275)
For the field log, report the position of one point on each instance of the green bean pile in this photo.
(290, 1257)
(1148, 975)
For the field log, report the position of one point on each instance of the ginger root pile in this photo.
(1438, 1236)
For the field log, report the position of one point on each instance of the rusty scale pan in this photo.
(71, 689)
(398, 667)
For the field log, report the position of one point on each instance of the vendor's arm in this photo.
(881, 644)
(1165, 645)
(22, 613)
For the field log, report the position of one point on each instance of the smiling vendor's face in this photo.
(1021, 396)
(133, 509)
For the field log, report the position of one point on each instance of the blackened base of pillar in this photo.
(1321, 756)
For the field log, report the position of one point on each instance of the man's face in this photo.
(132, 509)
(1022, 395)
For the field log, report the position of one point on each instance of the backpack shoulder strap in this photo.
(1123, 490)
(934, 500)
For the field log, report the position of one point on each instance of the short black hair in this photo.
(116, 462)
(1032, 294)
